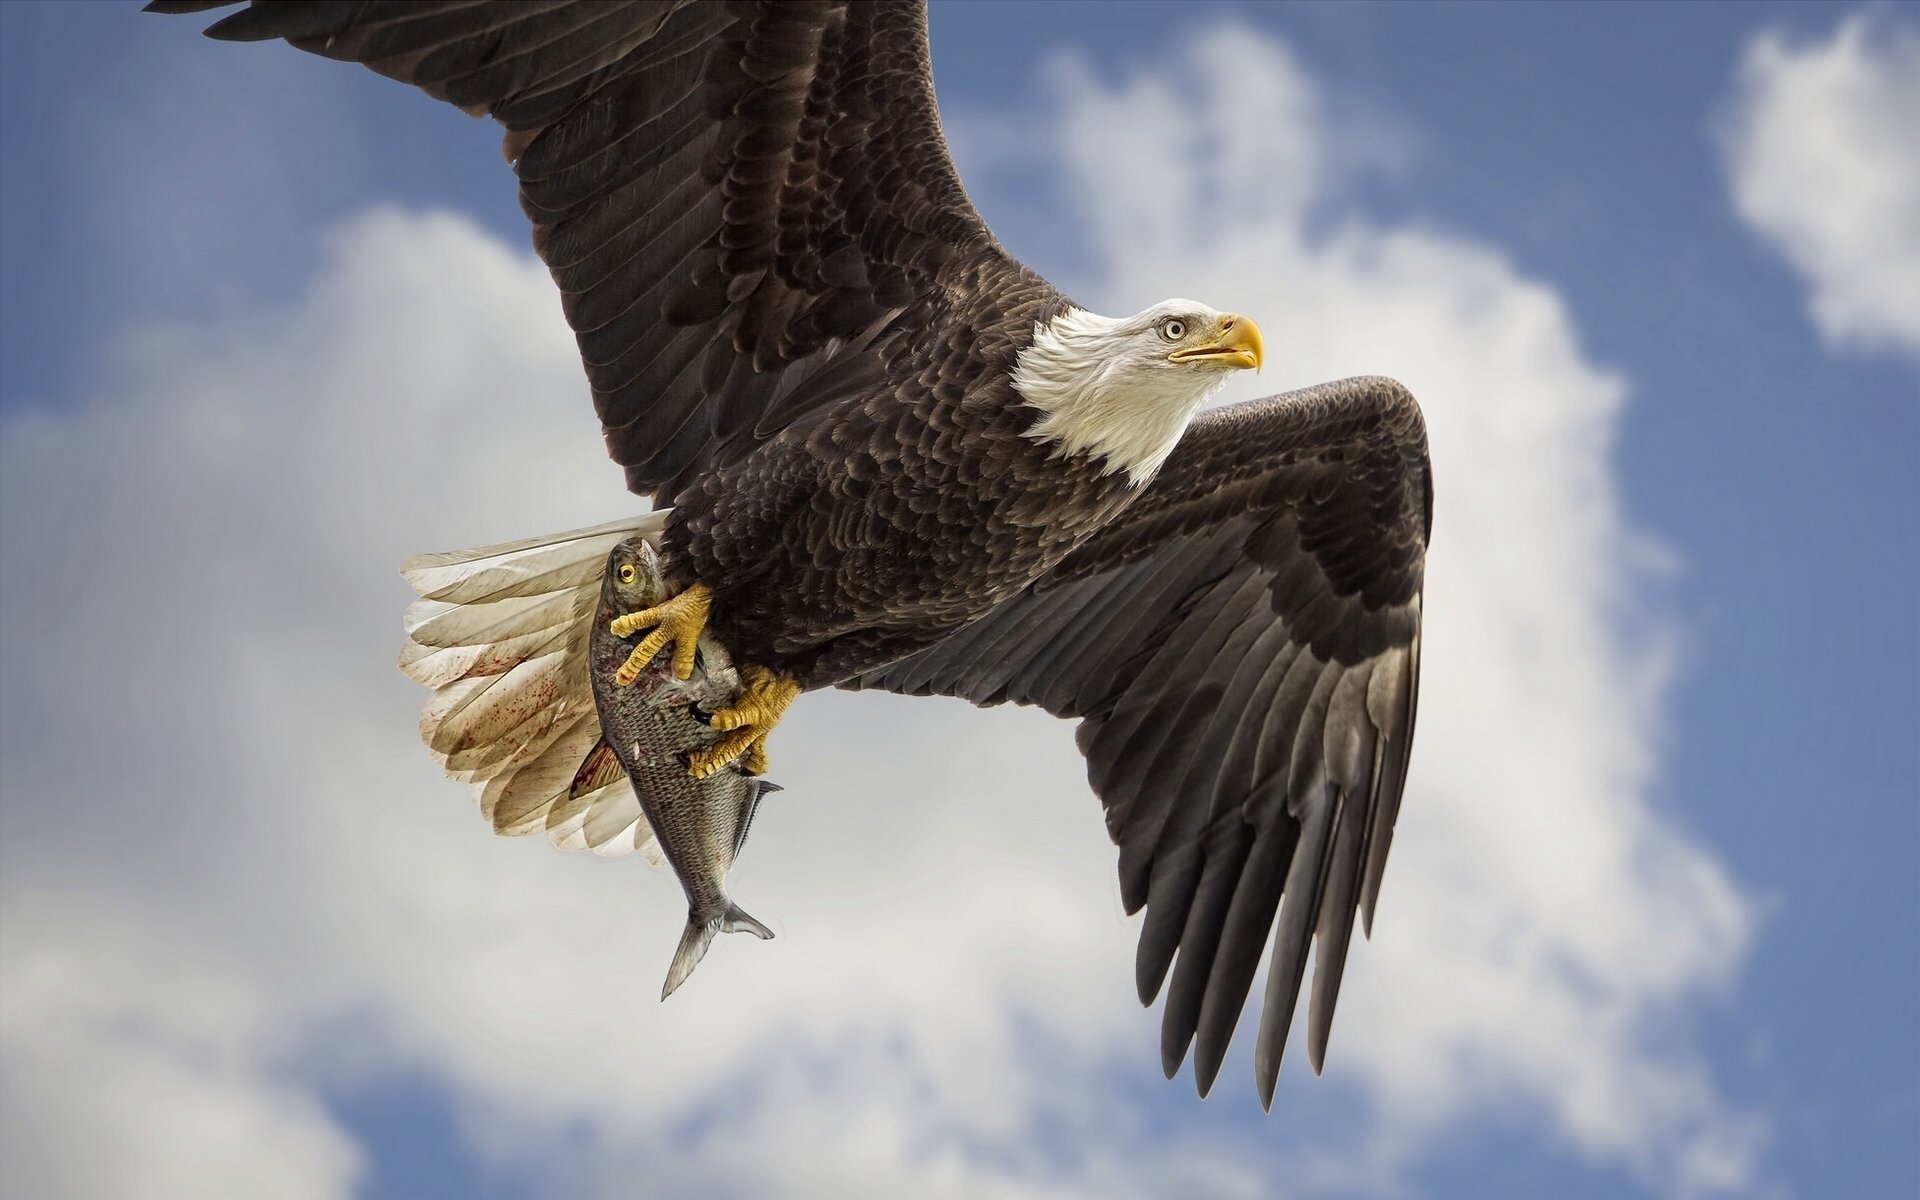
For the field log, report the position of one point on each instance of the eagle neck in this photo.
(1096, 400)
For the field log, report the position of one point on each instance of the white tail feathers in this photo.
(500, 635)
(699, 935)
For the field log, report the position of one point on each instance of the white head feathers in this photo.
(1123, 389)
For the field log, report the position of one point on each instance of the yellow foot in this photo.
(764, 698)
(678, 621)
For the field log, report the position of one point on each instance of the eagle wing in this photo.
(1242, 648)
(728, 194)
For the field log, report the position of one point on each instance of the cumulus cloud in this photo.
(1548, 918)
(200, 569)
(135, 1066)
(222, 849)
(1822, 158)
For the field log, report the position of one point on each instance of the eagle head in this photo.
(1122, 389)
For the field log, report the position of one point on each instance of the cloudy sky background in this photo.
(271, 324)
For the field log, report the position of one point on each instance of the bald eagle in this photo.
(884, 454)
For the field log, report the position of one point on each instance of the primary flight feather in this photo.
(885, 454)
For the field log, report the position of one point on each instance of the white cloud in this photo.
(200, 571)
(1545, 916)
(222, 847)
(133, 1067)
(1820, 145)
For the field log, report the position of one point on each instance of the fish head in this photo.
(635, 577)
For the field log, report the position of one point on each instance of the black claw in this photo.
(699, 714)
(684, 758)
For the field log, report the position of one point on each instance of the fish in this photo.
(649, 728)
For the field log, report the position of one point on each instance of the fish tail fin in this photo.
(699, 935)
(737, 921)
(692, 948)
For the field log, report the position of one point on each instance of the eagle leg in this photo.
(677, 621)
(764, 698)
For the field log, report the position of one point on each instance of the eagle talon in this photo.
(764, 699)
(702, 763)
(699, 713)
(676, 622)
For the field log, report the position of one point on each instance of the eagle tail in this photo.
(699, 935)
(500, 634)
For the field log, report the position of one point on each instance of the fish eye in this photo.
(628, 574)
(1173, 329)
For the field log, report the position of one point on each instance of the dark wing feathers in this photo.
(750, 211)
(1242, 647)
(726, 193)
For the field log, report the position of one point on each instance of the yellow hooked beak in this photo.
(1236, 344)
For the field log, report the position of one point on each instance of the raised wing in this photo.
(723, 191)
(1242, 648)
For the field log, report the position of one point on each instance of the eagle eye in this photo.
(628, 574)
(1173, 329)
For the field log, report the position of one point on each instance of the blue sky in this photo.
(1562, 186)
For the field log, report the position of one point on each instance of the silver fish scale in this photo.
(700, 824)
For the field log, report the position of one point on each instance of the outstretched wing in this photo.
(1242, 647)
(727, 193)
